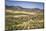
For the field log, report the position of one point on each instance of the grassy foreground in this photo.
(22, 20)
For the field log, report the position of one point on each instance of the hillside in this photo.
(18, 18)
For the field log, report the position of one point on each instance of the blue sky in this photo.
(25, 4)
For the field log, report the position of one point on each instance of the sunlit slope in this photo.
(11, 13)
(21, 12)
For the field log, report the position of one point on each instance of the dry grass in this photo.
(17, 21)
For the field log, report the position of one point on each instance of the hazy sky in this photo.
(25, 4)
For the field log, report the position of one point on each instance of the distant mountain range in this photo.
(24, 9)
